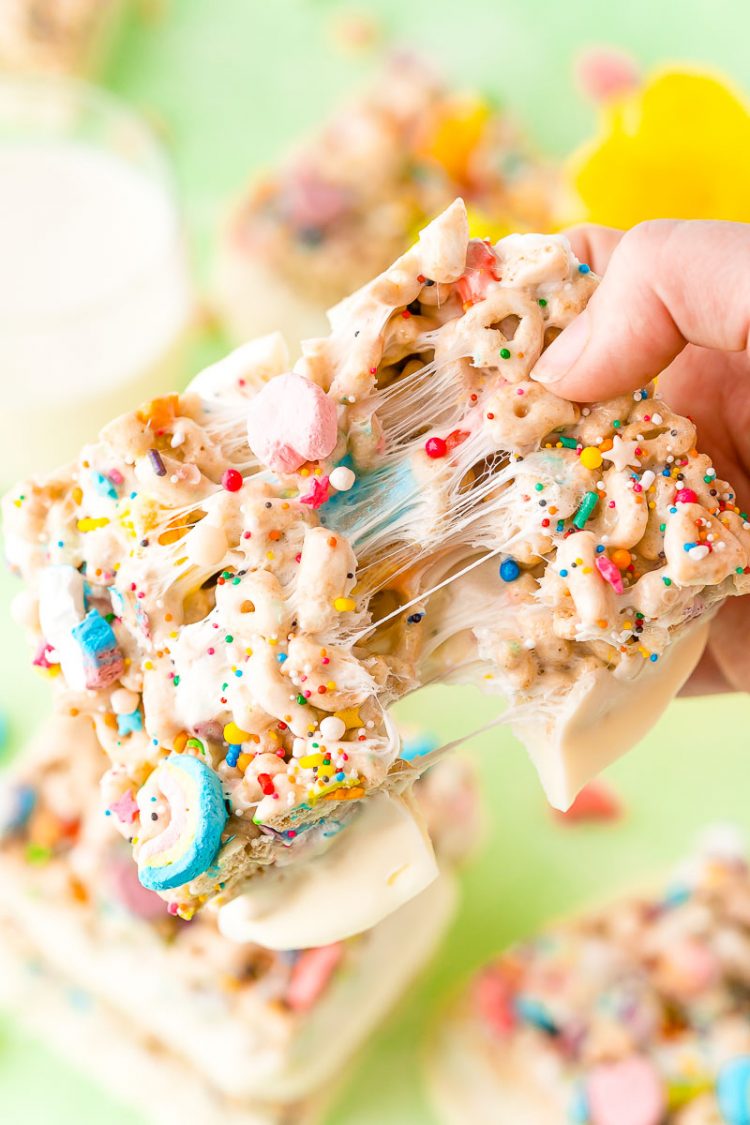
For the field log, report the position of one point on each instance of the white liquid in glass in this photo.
(94, 295)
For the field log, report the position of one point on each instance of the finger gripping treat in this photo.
(251, 573)
(633, 1015)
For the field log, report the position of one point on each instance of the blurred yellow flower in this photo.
(678, 147)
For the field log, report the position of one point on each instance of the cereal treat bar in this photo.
(237, 582)
(55, 36)
(350, 199)
(171, 1015)
(633, 1015)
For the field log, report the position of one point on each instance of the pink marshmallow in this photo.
(123, 877)
(628, 1092)
(311, 974)
(604, 73)
(292, 420)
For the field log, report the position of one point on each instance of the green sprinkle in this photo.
(542, 303)
(740, 570)
(617, 424)
(176, 681)
(584, 513)
(568, 442)
(37, 853)
(504, 353)
(662, 527)
(229, 638)
(236, 581)
(667, 581)
(539, 487)
(301, 700)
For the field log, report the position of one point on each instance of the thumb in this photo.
(667, 284)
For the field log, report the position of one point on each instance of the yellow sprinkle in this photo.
(88, 523)
(234, 735)
(591, 458)
(77, 495)
(244, 761)
(587, 570)
(310, 760)
(331, 685)
(270, 555)
(344, 605)
(148, 665)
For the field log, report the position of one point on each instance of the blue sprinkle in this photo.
(509, 570)
(534, 1012)
(578, 1110)
(583, 268)
(653, 658)
(419, 745)
(600, 549)
(560, 526)
(340, 776)
(238, 672)
(19, 802)
(672, 511)
(282, 657)
(104, 486)
(563, 573)
(687, 546)
(676, 895)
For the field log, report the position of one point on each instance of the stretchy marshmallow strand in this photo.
(406, 505)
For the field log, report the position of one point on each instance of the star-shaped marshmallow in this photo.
(622, 454)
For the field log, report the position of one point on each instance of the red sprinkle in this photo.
(232, 480)
(436, 447)
(686, 496)
(266, 784)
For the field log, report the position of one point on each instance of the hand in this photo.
(675, 300)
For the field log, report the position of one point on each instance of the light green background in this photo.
(229, 83)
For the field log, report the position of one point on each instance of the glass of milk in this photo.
(95, 296)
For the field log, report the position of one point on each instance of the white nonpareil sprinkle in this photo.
(657, 419)
(648, 478)
(342, 479)
(332, 727)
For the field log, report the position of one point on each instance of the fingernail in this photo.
(563, 352)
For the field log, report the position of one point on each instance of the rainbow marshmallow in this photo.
(102, 659)
(188, 844)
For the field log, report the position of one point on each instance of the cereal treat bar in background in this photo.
(632, 1015)
(56, 36)
(350, 199)
(170, 1015)
(238, 582)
